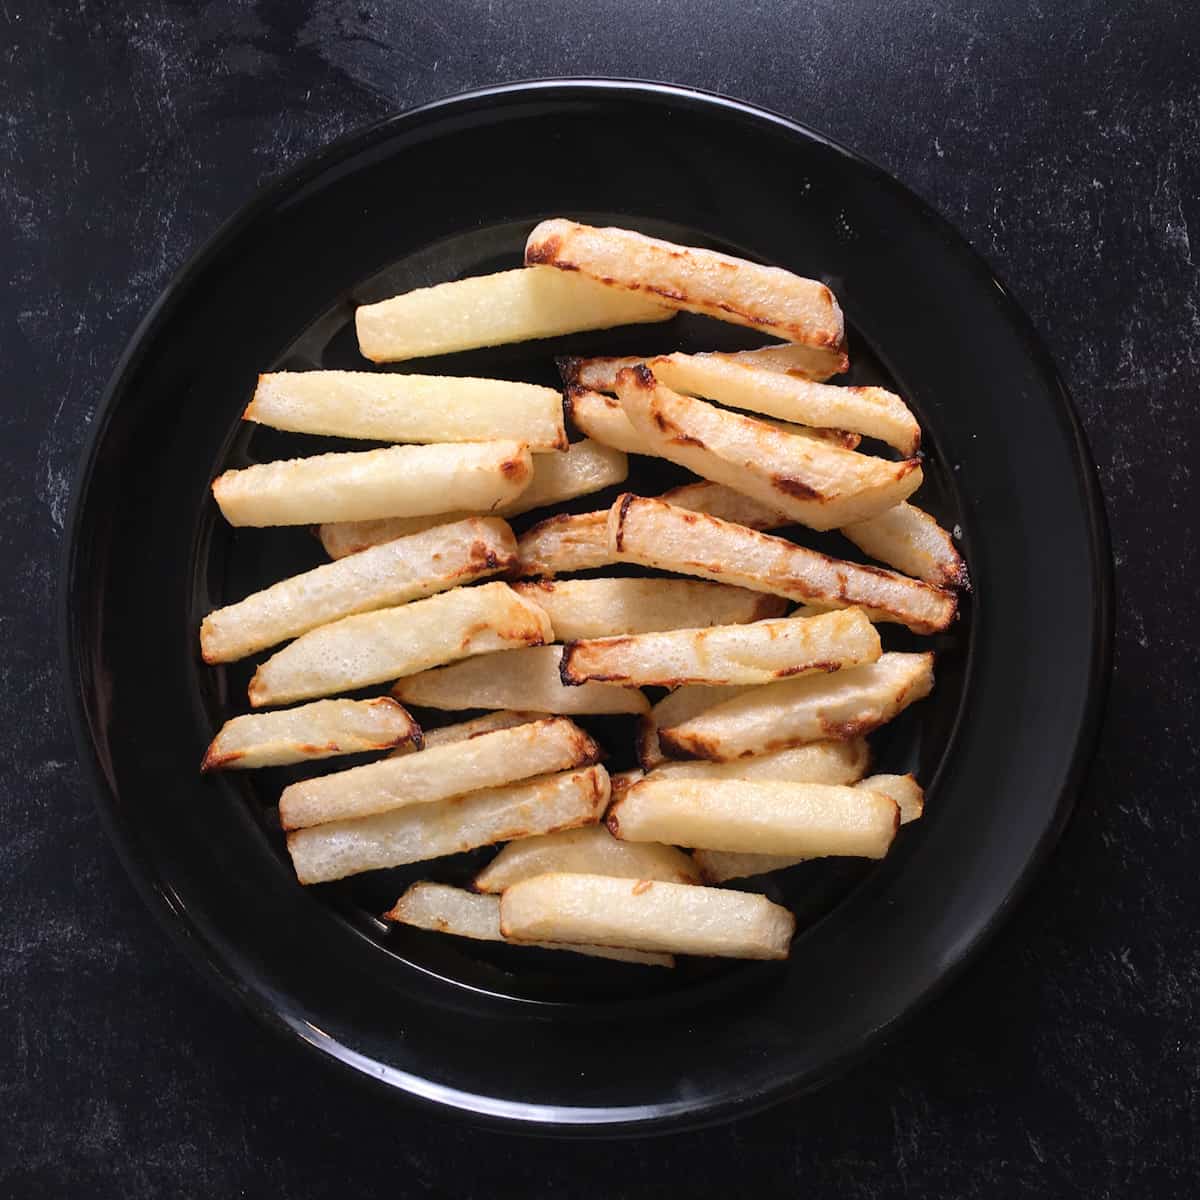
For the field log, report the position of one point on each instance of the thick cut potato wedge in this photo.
(673, 709)
(591, 850)
(817, 484)
(490, 760)
(378, 646)
(810, 820)
(846, 704)
(394, 573)
(677, 918)
(463, 731)
(565, 543)
(595, 608)
(695, 280)
(525, 679)
(444, 909)
(659, 535)
(409, 408)
(818, 762)
(726, 654)
(391, 839)
(493, 310)
(871, 411)
(903, 789)
(320, 730)
(399, 481)
(909, 539)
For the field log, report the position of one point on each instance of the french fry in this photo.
(340, 848)
(596, 608)
(584, 467)
(493, 310)
(871, 411)
(656, 534)
(463, 731)
(673, 709)
(399, 481)
(817, 484)
(384, 576)
(526, 679)
(907, 793)
(809, 820)
(909, 539)
(378, 646)
(816, 762)
(490, 760)
(701, 281)
(343, 538)
(843, 705)
(622, 781)
(451, 910)
(726, 654)
(725, 504)
(565, 543)
(591, 850)
(677, 918)
(409, 408)
(320, 730)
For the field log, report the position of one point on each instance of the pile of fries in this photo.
(753, 760)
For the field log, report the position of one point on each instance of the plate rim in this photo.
(155, 891)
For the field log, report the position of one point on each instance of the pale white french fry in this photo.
(409, 408)
(726, 654)
(526, 679)
(378, 646)
(675, 918)
(343, 538)
(673, 709)
(490, 760)
(717, 285)
(809, 820)
(320, 730)
(718, 866)
(903, 789)
(565, 543)
(817, 762)
(463, 731)
(384, 576)
(591, 850)
(845, 704)
(656, 534)
(594, 608)
(815, 483)
(909, 539)
(493, 310)
(724, 503)
(341, 848)
(399, 481)
(443, 909)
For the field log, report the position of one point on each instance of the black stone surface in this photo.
(1064, 140)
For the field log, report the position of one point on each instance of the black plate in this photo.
(534, 1038)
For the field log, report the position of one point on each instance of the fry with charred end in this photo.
(845, 704)
(909, 539)
(815, 483)
(565, 543)
(399, 481)
(903, 789)
(494, 310)
(443, 909)
(678, 706)
(378, 646)
(526, 679)
(312, 731)
(659, 535)
(817, 762)
(675, 918)
(695, 280)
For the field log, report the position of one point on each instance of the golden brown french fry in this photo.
(409, 408)
(378, 646)
(341, 848)
(320, 730)
(673, 709)
(595, 608)
(718, 866)
(845, 704)
(462, 731)
(815, 483)
(817, 762)
(677, 918)
(490, 760)
(659, 535)
(591, 850)
(695, 280)
(565, 543)
(526, 679)
(444, 909)
(726, 654)
(384, 576)
(903, 789)
(493, 310)
(399, 481)
(909, 539)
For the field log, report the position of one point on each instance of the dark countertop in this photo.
(1063, 139)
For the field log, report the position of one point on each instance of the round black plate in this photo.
(535, 1038)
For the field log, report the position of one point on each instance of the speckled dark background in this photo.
(1063, 138)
